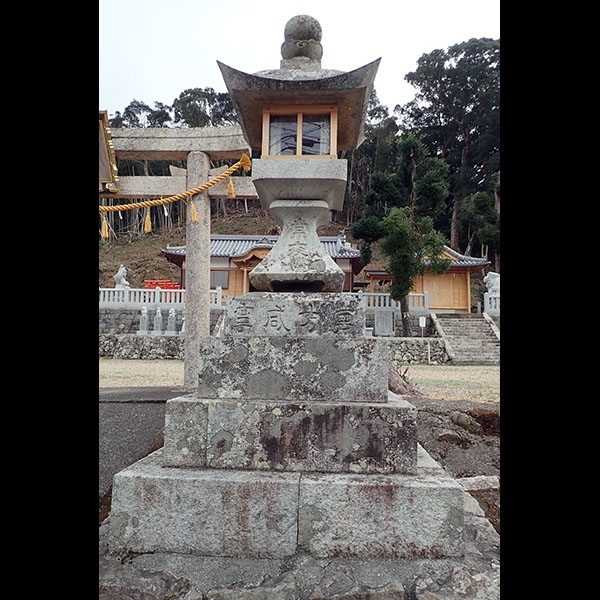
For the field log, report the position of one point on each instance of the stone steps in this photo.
(471, 339)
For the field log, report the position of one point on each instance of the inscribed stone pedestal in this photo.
(294, 315)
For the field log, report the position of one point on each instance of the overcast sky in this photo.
(152, 50)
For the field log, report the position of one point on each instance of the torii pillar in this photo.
(197, 272)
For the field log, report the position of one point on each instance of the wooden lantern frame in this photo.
(299, 110)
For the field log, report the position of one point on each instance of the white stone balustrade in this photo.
(417, 303)
(139, 297)
(491, 303)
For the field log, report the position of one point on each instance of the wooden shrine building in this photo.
(448, 292)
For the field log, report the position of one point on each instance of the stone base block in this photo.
(205, 512)
(380, 516)
(252, 514)
(299, 369)
(328, 437)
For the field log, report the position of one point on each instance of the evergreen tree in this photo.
(401, 209)
(480, 219)
(160, 116)
(412, 245)
(456, 112)
(135, 114)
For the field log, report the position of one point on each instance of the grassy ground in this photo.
(116, 372)
(474, 383)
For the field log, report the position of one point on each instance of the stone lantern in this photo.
(292, 443)
(298, 117)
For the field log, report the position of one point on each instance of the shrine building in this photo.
(232, 257)
(448, 292)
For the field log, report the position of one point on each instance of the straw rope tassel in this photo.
(104, 230)
(244, 162)
(194, 213)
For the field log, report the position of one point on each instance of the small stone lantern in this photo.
(298, 117)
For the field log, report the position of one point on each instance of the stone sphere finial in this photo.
(302, 36)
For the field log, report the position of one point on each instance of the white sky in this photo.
(152, 50)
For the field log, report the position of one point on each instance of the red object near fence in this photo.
(163, 284)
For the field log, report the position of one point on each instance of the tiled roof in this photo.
(239, 245)
(457, 260)
(460, 260)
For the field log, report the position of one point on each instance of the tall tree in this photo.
(203, 107)
(401, 211)
(376, 153)
(117, 120)
(160, 116)
(135, 114)
(419, 182)
(456, 111)
(422, 179)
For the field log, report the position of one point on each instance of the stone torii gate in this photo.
(198, 146)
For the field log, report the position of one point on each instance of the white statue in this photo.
(492, 282)
(120, 281)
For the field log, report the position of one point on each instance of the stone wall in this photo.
(428, 330)
(117, 321)
(127, 320)
(404, 351)
(120, 320)
(118, 338)
(414, 351)
(133, 346)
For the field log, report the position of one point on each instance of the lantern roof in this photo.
(300, 80)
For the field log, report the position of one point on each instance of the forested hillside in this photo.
(428, 172)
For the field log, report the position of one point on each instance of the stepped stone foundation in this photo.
(291, 444)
